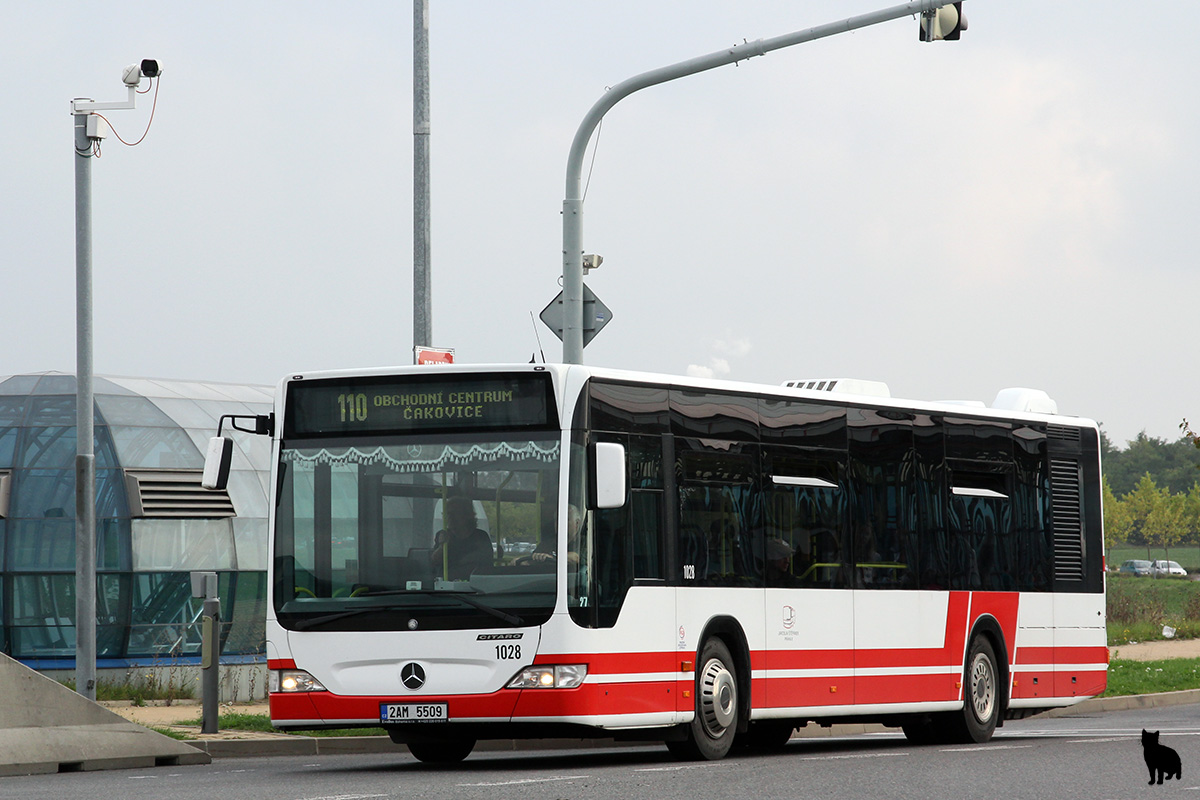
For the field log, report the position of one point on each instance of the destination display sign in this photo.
(416, 403)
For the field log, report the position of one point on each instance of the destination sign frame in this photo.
(426, 403)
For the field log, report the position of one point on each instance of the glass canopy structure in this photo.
(154, 522)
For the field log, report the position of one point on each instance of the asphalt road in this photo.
(1097, 756)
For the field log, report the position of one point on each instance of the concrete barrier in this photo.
(46, 727)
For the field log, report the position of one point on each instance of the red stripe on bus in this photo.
(598, 699)
(906, 688)
(1062, 655)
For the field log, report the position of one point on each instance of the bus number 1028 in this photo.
(353, 407)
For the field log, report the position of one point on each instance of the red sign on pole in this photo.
(433, 355)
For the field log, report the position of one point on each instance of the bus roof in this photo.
(1011, 403)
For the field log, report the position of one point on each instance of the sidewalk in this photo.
(183, 717)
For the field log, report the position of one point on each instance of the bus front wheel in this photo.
(711, 731)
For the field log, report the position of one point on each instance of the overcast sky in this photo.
(1013, 209)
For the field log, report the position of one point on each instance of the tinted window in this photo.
(982, 547)
(884, 539)
(618, 407)
(1030, 522)
(718, 512)
(629, 543)
(805, 499)
(985, 440)
(714, 415)
(929, 468)
(802, 424)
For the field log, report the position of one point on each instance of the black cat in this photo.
(1162, 760)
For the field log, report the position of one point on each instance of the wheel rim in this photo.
(718, 698)
(983, 687)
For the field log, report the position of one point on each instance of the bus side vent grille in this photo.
(1063, 432)
(1067, 519)
(174, 494)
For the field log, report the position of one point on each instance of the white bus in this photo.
(474, 552)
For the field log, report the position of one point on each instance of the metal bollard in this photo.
(204, 584)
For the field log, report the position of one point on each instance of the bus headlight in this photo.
(549, 676)
(293, 680)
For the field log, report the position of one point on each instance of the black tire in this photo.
(921, 730)
(442, 751)
(711, 732)
(982, 696)
(766, 736)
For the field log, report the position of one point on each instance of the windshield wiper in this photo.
(511, 619)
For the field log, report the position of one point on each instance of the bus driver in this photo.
(460, 548)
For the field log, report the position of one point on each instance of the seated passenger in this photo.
(779, 564)
(460, 548)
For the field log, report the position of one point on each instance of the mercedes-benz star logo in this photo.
(412, 676)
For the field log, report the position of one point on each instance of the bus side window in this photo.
(718, 514)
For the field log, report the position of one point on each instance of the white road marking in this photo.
(986, 748)
(857, 755)
(527, 781)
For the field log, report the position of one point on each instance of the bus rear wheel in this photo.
(445, 751)
(711, 732)
(981, 695)
(981, 704)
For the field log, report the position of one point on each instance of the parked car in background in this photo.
(1167, 569)
(1135, 566)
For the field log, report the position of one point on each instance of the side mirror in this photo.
(216, 463)
(608, 475)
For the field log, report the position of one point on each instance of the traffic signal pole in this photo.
(573, 203)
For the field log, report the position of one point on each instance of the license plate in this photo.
(413, 712)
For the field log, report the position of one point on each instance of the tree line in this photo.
(1152, 491)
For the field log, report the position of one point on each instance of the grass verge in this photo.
(137, 693)
(173, 734)
(1151, 677)
(262, 723)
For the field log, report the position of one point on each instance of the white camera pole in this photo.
(85, 458)
(573, 204)
(86, 136)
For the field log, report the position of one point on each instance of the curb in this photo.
(290, 745)
(1127, 702)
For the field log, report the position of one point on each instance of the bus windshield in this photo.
(417, 533)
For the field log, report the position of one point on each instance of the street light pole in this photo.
(422, 294)
(573, 202)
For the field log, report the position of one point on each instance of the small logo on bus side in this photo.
(412, 676)
(789, 617)
(493, 637)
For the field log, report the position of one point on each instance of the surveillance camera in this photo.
(133, 74)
